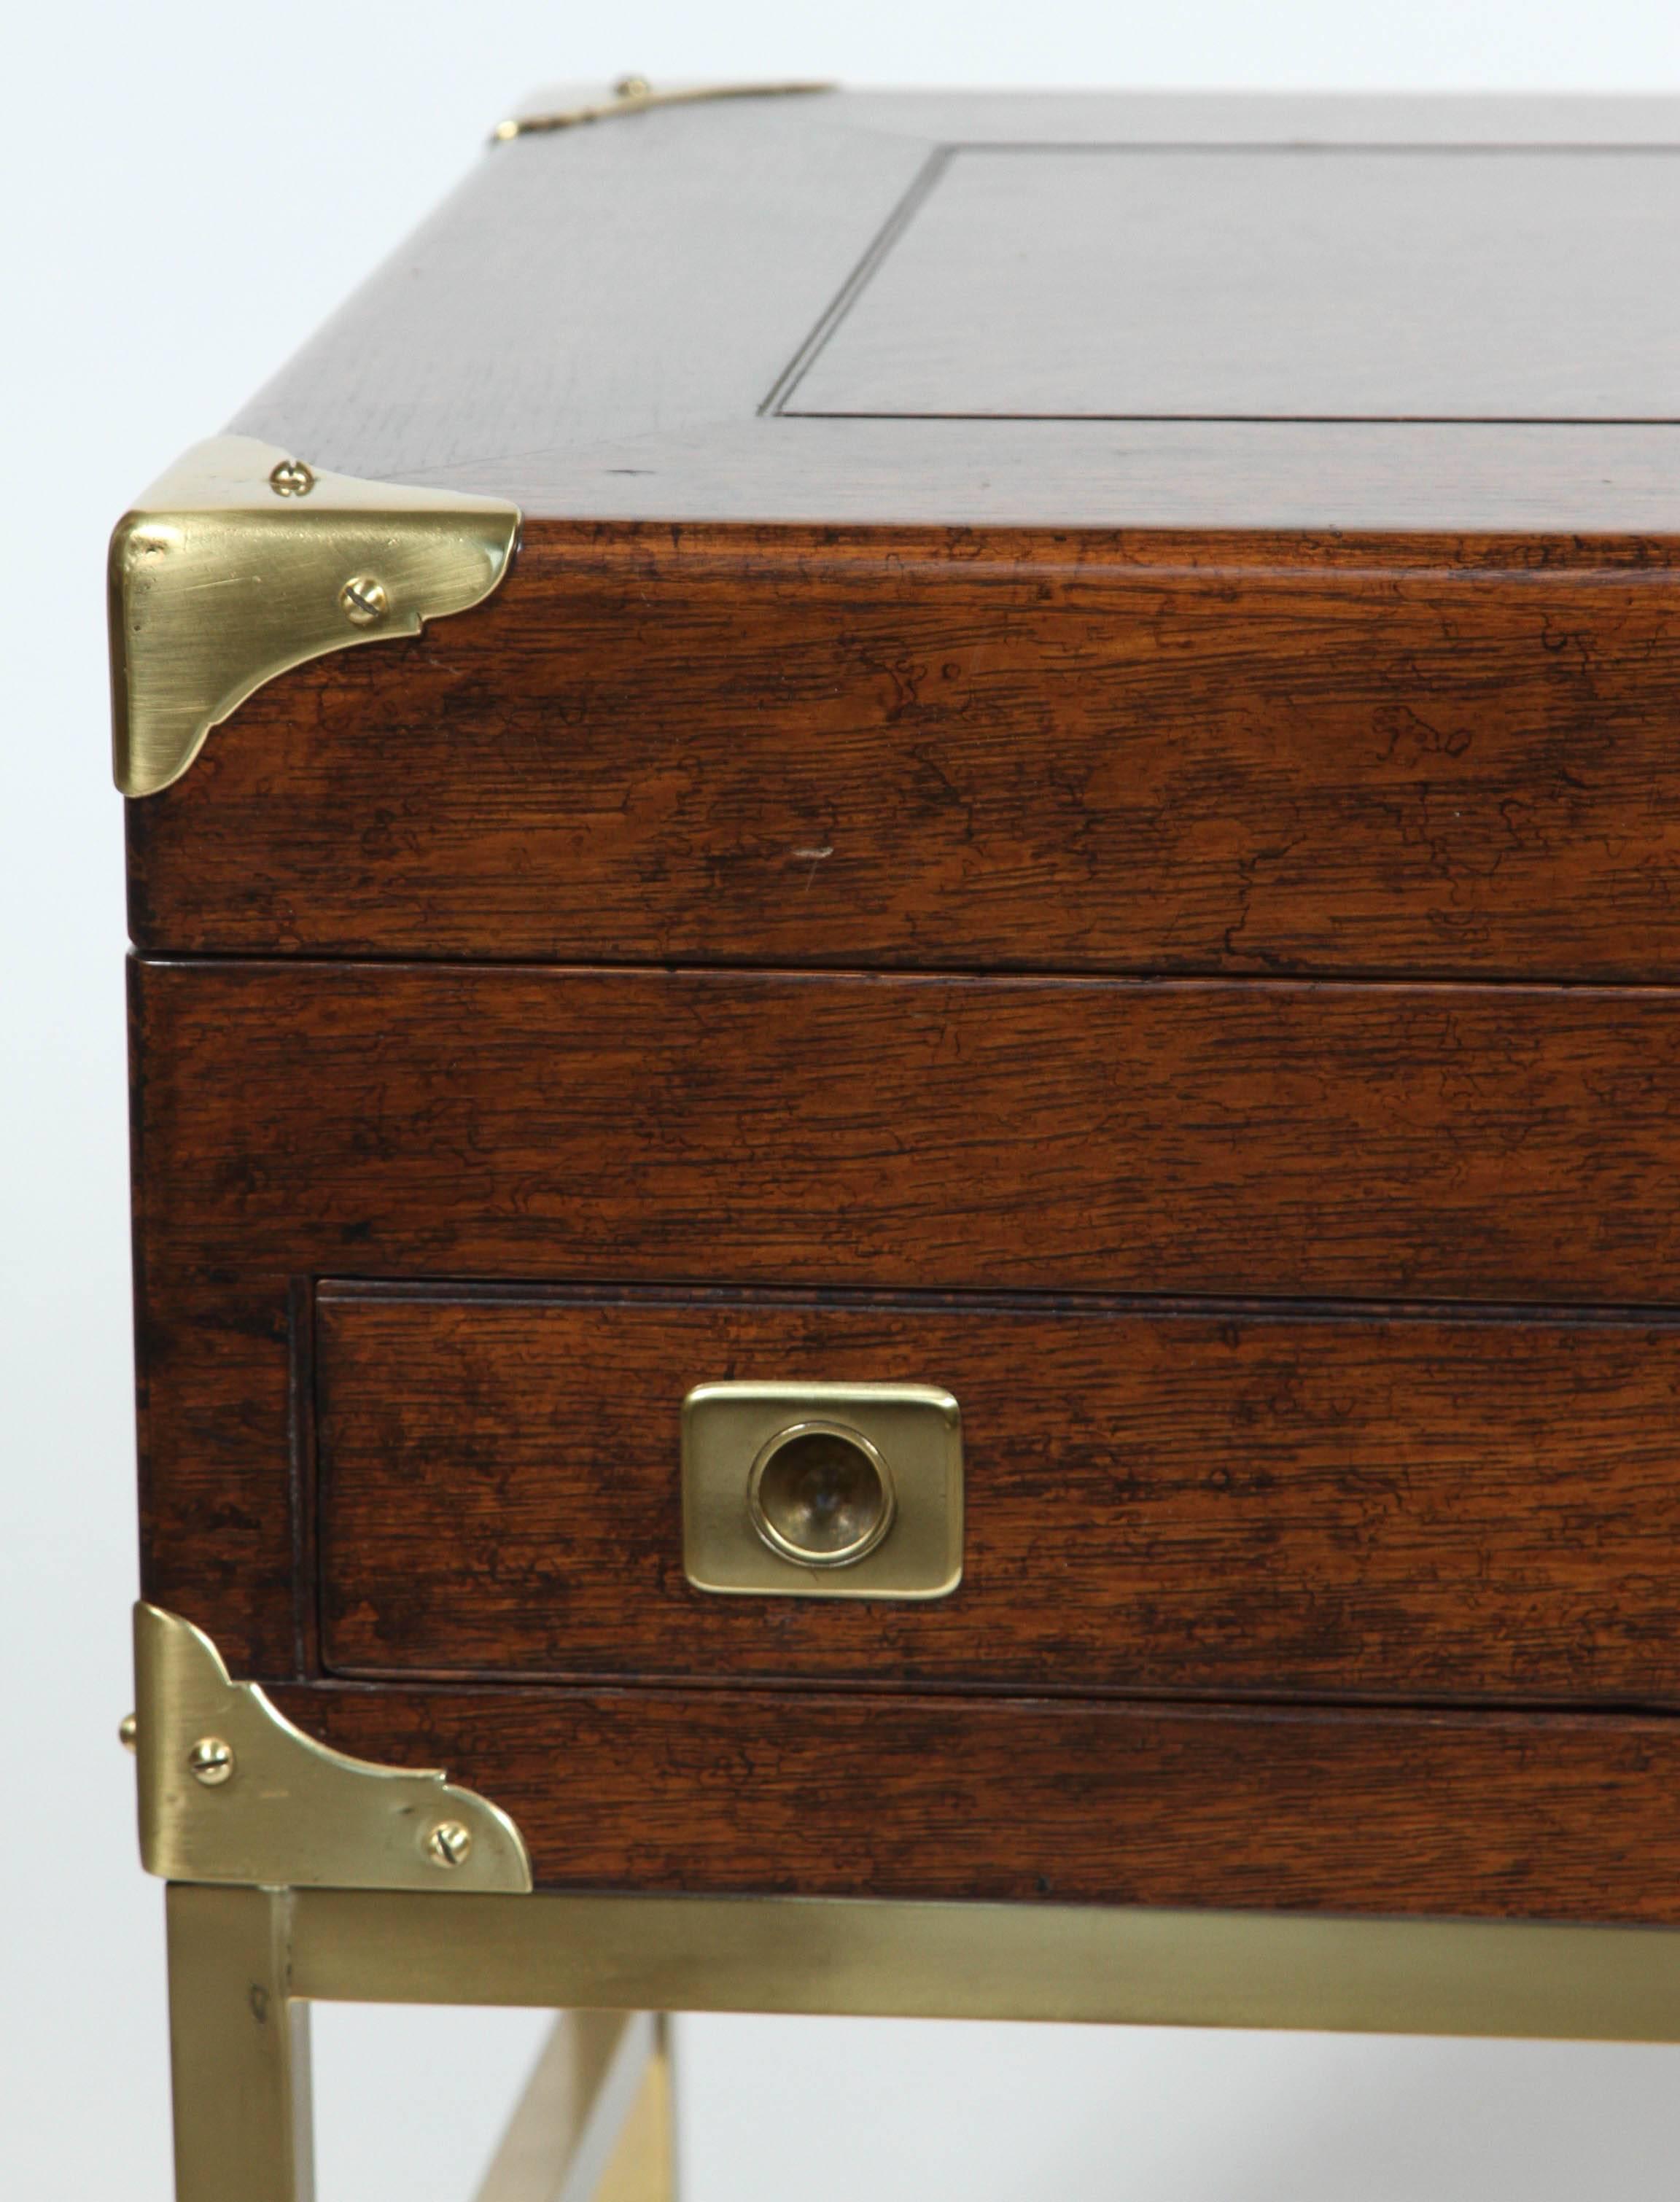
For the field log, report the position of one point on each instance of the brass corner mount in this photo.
(634, 95)
(230, 1790)
(243, 561)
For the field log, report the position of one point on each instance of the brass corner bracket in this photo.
(634, 95)
(230, 1790)
(242, 562)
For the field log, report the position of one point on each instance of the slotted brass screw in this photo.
(211, 1761)
(362, 600)
(290, 478)
(448, 1843)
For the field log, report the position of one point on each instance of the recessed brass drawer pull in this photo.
(822, 1490)
(820, 1494)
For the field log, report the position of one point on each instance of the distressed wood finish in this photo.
(1165, 925)
(1504, 1144)
(1028, 750)
(1481, 1814)
(1458, 1143)
(1156, 1501)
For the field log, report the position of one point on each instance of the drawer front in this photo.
(1301, 1146)
(1156, 1500)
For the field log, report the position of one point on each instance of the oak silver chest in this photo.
(906, 1090)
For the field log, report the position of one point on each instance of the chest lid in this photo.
(1085, 532)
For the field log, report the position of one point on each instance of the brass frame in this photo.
(299, 1873)
(245, 1961)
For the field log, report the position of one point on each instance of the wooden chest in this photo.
(1066, 818)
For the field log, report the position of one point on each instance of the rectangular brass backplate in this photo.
(822, 1490)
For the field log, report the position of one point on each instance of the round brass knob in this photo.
(820, 1494)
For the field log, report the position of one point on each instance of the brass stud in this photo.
(211, 1761)
(128, 1733)
(362, 600)
(632, 87)
(448, 1843)
(290, 478)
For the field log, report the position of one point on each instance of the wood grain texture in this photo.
(1274, 1139)
(1185, 724)
(1462, 1142)
(1484, 1814)
(1027, 751)
(1155, 1501)
(1165, 919)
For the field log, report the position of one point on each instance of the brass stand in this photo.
(594, 2122)
(592, 2125)
(245, 1962)
(298, 1874)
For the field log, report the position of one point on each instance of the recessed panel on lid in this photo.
(1267, 283)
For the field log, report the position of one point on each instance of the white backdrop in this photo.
(188, 189)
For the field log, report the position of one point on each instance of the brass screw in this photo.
(448, 1843)
(362, 600)
(128, 1733)
(211, 1761)
(292, 478)
(632, 87)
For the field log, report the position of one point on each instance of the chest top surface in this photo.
(976, 531)
(1066, 310)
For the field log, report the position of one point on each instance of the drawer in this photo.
(1231, 1501)
(1300, 1147)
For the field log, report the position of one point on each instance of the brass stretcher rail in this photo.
(246, 1963)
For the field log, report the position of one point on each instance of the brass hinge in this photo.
(230, 1790)
(242, 562)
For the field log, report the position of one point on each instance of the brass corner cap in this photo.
(242, 562)
(231, 1791)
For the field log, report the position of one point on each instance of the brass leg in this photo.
(643, 2166)
(581, 2130)
(593, 2125)
(238, 2049)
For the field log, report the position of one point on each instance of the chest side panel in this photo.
(1052, 754)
